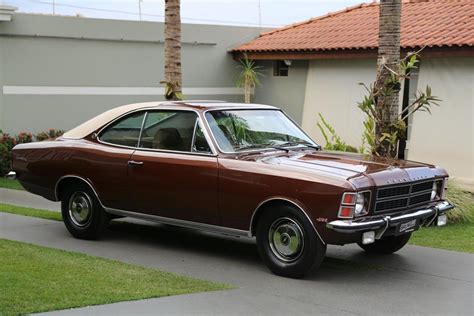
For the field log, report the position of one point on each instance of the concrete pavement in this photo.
(23, 198)
(417, 280)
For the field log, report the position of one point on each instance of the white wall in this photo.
(446, 138)
(332, 89)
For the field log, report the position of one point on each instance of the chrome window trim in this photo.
(170, 108)
(180, 222)
(248, 109)
(166, 151)
(194, 135)
(278, 198)
(141, 129)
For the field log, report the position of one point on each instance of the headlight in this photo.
(437, 192)
(362, 204)
(434, 190)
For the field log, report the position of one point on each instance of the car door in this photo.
(173, 171)
(107, 161)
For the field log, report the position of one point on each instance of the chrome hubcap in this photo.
(80, 208)
(286, 239)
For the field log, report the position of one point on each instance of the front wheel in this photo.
(82, 213)
(288, 243)
(387, 245)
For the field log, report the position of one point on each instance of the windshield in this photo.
(238, 130)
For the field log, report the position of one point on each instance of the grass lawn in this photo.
(37, 279)
(458, 237)
(10, 184)
(26, 211)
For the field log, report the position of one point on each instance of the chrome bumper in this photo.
(11, 175)
(367, 224)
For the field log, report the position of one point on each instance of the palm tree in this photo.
(386, 89)
(173, 78)
(248, 77)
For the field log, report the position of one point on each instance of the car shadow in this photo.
(236, 250)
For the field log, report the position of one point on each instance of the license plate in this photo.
(407, 227)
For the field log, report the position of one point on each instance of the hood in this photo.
(361, 170)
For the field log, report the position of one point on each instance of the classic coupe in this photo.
(236, 169)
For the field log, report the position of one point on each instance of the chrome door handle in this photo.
(133, 163)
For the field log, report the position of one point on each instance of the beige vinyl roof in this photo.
(100, 120)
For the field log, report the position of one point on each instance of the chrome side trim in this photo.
(180, 223)
(11, 175)
(87, 181)
(158, 219)
(285, 200)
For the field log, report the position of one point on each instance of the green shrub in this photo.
(50, 134)
(7, 142)
(464, 202)
(333, 141)
(24, 138)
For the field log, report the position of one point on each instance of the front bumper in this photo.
(11, 175)
(425, 216)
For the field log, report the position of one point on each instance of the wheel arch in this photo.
(69, 179)
(277, 201)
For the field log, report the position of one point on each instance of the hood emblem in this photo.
(393, 181)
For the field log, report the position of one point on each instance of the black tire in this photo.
(275, 247)
(387, 245)
(82, 213)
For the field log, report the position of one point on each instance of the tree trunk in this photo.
(387, 94)
(247, 91)
(173, 46)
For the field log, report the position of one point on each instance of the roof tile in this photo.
(432, 23)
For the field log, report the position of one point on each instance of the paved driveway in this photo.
(417, 280)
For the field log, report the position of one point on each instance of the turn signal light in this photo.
(346, 211)
(349, 198)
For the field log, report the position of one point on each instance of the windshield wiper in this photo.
(262, 146)
(252, 146)
(317, 147)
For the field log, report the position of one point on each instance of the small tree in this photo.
(248, 77)
(385, 142)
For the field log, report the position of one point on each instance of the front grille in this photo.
(393, 191)
(403, 196)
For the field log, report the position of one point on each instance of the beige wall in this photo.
(332, 89)
(446, 138)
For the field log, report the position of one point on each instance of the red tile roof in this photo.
(431, 23)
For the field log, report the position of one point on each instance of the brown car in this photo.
(237, 169)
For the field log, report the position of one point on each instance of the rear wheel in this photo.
(288, 243)
(82, 213)
(387, 245)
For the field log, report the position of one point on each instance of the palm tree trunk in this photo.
(173, 46)
(247, 91)
(386, 100)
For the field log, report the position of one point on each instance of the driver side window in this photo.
(173, 131)
(200, 144)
